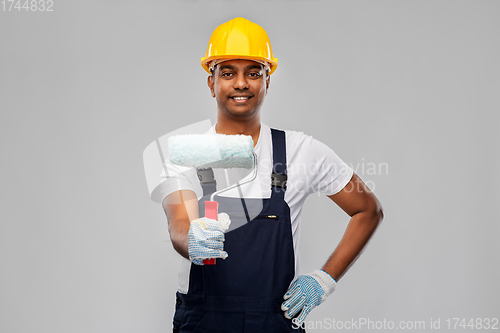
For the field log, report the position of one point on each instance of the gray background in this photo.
(84, 89)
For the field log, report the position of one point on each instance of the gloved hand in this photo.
(206, 238)
(307, 292)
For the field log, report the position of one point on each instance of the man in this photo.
(256, 287)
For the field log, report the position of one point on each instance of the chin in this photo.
(240, 112)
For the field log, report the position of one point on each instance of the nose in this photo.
(240, 82)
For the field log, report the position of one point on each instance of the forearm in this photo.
(180, 208)
(178, 231)
(358, 232)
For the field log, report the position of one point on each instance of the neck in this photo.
(252, 128)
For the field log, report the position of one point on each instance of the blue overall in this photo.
(244, 292)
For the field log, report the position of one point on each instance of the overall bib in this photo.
(243, 294)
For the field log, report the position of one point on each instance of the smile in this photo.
(240, 99)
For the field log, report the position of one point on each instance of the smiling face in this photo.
(239, 87)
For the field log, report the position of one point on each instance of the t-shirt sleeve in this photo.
(325, 171)
(175, 178)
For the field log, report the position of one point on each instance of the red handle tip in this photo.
(211, 211)
(210, 261)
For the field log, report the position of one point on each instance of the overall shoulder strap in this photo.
(207, 180)
(279, 176)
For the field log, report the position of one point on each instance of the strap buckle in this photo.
(206, 176)
(278, 180)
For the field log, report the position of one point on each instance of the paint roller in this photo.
(202, 151)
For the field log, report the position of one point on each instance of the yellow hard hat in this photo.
(239, 39)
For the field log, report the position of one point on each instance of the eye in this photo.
(254, 74)
(226, 74)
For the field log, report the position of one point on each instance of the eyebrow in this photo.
(248, 67)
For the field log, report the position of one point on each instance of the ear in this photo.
(268, 81)
(210, 83)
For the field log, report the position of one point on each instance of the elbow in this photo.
(378, 213)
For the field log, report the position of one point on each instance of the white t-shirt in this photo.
(311, 167)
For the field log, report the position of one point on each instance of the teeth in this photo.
(240, 98)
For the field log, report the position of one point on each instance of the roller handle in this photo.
(211, 212)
